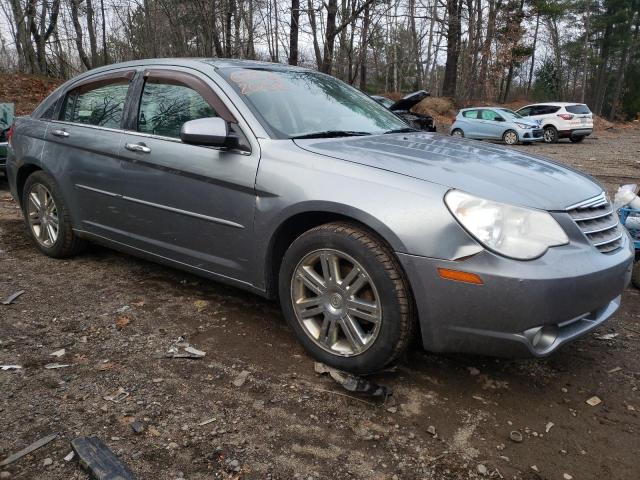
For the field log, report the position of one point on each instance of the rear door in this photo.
(191, 204)
(470, 123)
(82, 145)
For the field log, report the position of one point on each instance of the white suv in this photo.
(561, 120)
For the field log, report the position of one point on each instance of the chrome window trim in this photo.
(87, 125)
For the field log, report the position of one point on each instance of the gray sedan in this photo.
(293, 185)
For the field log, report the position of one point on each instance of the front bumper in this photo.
(531, 135)
(523, 309)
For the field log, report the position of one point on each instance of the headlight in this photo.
(523, 125)
(515, 232)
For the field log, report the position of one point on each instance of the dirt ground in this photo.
(450, 416)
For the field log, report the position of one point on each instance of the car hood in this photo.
(409, 101)
(490, 171)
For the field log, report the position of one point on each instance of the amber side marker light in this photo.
(459, 276)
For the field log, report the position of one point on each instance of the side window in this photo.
(100, 104)
(548, 110)
(166, 105)
(525, 112)
(470, 114)
(489, 115)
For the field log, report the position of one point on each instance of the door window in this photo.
(470, 114)
(166, 105)
(100, 105)
(525, 112)
(490, 115)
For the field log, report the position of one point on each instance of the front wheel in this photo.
(510, 137)
(345, 296)
(48, 218)
(550, 134)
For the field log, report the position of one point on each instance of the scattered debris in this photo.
(607, 336)
(516, 436)
(54, 366)
(187, 350)
(10, 299)
(353, 383)
(548, 427)
(137, 427)
(614, 370)
(122, 309)
(241, 378)
(206, 422)
(566, 476)
(534, 468)
(99, 461)
(473, 371)
(47, 462)
(482, 469)
(122, 322)
(10, 367)
(200, 305)
(431, 430)
(593, 401)
(25, 451)
(69, 456)
(117, 396)
(58, 353)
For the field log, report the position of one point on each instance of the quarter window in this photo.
(101, 105)
(165, 107)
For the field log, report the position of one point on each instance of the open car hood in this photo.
(410, 100)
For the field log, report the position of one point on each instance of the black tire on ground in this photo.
(398, 321)
(457, 133)
(510, 137)
(550, 134)
(67, 244)
(635, 276)
(576, 139)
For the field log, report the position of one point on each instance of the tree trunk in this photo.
(364, 43)
(453, 49)
(293, 32)
(533, 52)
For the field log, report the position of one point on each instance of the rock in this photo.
(548, 427)
(593, 401)
(431, 430)
(47, 462)
(534, 468)
(241, 378)
(473, 371)
(172, 446)
(137, 427)
(566, 476)
(516, 436)
(392, 409)
(5, 475)
(482, 470)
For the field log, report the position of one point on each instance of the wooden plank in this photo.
(25, 451)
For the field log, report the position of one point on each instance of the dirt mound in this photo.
(25, 91)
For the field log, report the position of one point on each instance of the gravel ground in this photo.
(450, 416)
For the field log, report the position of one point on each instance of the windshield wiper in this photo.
(331, 134)
(402, 130)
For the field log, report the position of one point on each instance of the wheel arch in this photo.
(21, 177)
(306, 217)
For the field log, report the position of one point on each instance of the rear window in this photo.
(581, 109)
(470, 114)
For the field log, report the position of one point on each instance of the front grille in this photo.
(538, 133)
(598, 221)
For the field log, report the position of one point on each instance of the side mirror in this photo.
(499, 119)
(210, 131)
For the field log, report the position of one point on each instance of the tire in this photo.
(510, 137)
(550, 134)
(457, 133)
(635, 276)
(322, 326)
(66, 243)
(576, 139)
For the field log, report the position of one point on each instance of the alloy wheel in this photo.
(549, 135)
(336, 302)
(510, 138)
(42, 214)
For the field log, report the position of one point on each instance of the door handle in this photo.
(60, 133)
(137, 147)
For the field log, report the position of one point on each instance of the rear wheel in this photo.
(48, 218)
(576, 139)
(457, 133)
(510, 137)
(346, 297)
(550, 134)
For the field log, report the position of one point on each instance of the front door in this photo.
(491, 124)
(191, 204)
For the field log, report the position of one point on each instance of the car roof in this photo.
(553, 104)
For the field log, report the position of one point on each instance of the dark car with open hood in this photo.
(402, 108)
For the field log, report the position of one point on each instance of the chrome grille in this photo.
(599, 223)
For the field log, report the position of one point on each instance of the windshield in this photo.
(510, 113)
(296, 103)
